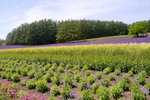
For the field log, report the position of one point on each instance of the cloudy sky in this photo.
(16, 12)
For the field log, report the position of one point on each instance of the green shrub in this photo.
(116, 92)
(136, 93)
(47, 78)
(8, 76)
(55, 90)
(148, 86)
(68, 81)
(124, 84)
(91, 79)
(99, 75)
(41, 86)
(23, 82)
(83, 84)
(60, 69)
(38, 75)
(111, 76)
(31, 74)
(24, 72)
(85, 67)
(88, 72)
(77, 77)
(87, 95)
(106, 82)
(130, 73)
(117, 71)
(15, 77)
(103, 93)
(21, 93)
(106, 70)
(95, 86)
(3, 75)
(66, 89)
(141, 80)
(52, 98)
(31, 84)
(56, 79)
(143, 74)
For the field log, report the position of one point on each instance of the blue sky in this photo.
(16, 12)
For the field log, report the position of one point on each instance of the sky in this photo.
(16, 12)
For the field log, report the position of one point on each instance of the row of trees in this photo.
(2, 42)
(49, 31)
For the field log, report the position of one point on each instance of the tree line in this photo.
(48, 31)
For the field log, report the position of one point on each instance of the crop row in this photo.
(135, 57)
(62, 80)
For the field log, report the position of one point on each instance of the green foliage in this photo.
(136, 93)
(55, 90)
(15, 77)
(87, 95)
(111, 76)
(47, 78)
(116, 92)
(91, 79)
(41, 86)
(99, 75)
(23, 82)
(95, 86)
(140, 80)
(56, 79)
(106, 70)
(124, 83)
(39, 32)
(77, 77)
(88, 72)
(31, 84)
(68, 80)
(66, 91)
(138, 27)
(106, 82)
(103, 93)
(38, 75)
(117, 71)
(148, 87)
(130, 73)
(31, 73)
(60, 69)
(83, 83)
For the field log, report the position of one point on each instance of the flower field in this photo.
(85, 72)
(110, 41)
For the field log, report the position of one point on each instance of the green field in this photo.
(87, 72)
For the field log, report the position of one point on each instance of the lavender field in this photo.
(112, 41)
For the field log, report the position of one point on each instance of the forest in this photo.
(48, 31)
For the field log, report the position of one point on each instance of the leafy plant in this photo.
(77, 77)
(116, 92)
(87, 95)
(111, 76)
(106, 82)
(66, 91)
(15, 77)
(95, 86)
(88, 72)
(99, 75)
(55, 90)
(106, 70)
(56, 79)
(117, 71)
(41, 86)
(103, 93)
(130, 73)
(60, 69)
(83, 83)
(31, 84)
(91, 79)
(47, 78)
(68, 80)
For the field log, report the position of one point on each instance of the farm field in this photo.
(85, 72)
(104, 40)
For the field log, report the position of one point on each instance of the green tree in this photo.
(138, 28)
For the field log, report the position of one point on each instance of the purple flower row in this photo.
(113, 41)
